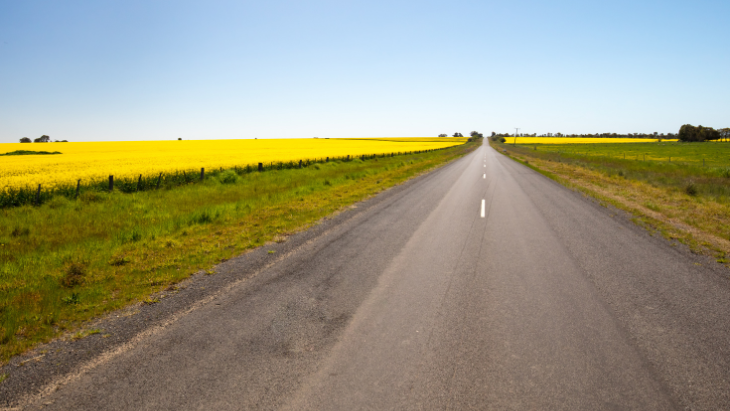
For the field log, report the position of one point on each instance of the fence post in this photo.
(159, 179)
(38, 196)
(202, 174)
(348, 157)
(139, 182)
(111, 183)
(78, 188)
(300, 163)
(261, 166)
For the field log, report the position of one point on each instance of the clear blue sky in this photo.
(136, 70)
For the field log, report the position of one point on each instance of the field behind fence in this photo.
(708, 154)
(142, 166)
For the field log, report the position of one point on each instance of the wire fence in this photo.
(37, 195)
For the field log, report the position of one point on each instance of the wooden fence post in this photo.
(139, 182)
(202, 174)
(38, 196)
(111, 183)
(78, 188)
(300, 163)
(159, 179)
(261, 166)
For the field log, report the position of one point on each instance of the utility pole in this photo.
(517, 130)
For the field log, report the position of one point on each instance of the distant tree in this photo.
(443, 135)
(42, 139)
(690, 133)
(25, 140)
(458, 135)
(709, 133)
(724, 133)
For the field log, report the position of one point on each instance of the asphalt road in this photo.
(484, 286)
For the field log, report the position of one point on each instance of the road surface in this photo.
(482, 286)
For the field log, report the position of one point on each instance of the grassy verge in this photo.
(685, 202)
(68, 261)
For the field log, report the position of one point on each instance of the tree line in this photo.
(473, 135)
(653, 135)
(687, 133)
(42, 139)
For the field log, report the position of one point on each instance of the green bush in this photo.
(691, 188)
(228, 177)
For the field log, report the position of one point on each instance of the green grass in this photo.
(650, 163)
(714, 154)
(68, 261)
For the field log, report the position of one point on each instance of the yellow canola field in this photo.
(94, 161)
(579, 140)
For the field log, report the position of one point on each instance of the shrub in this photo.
(203, 217)
(135, 236)
(91, 197)
(72, 299)
(228, 177)
(20, 232)
(75, 273)
(119, 260)
(58, 202)
(690, 188)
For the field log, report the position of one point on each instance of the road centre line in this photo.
(482, 208)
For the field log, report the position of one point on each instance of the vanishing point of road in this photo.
(482, 285)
